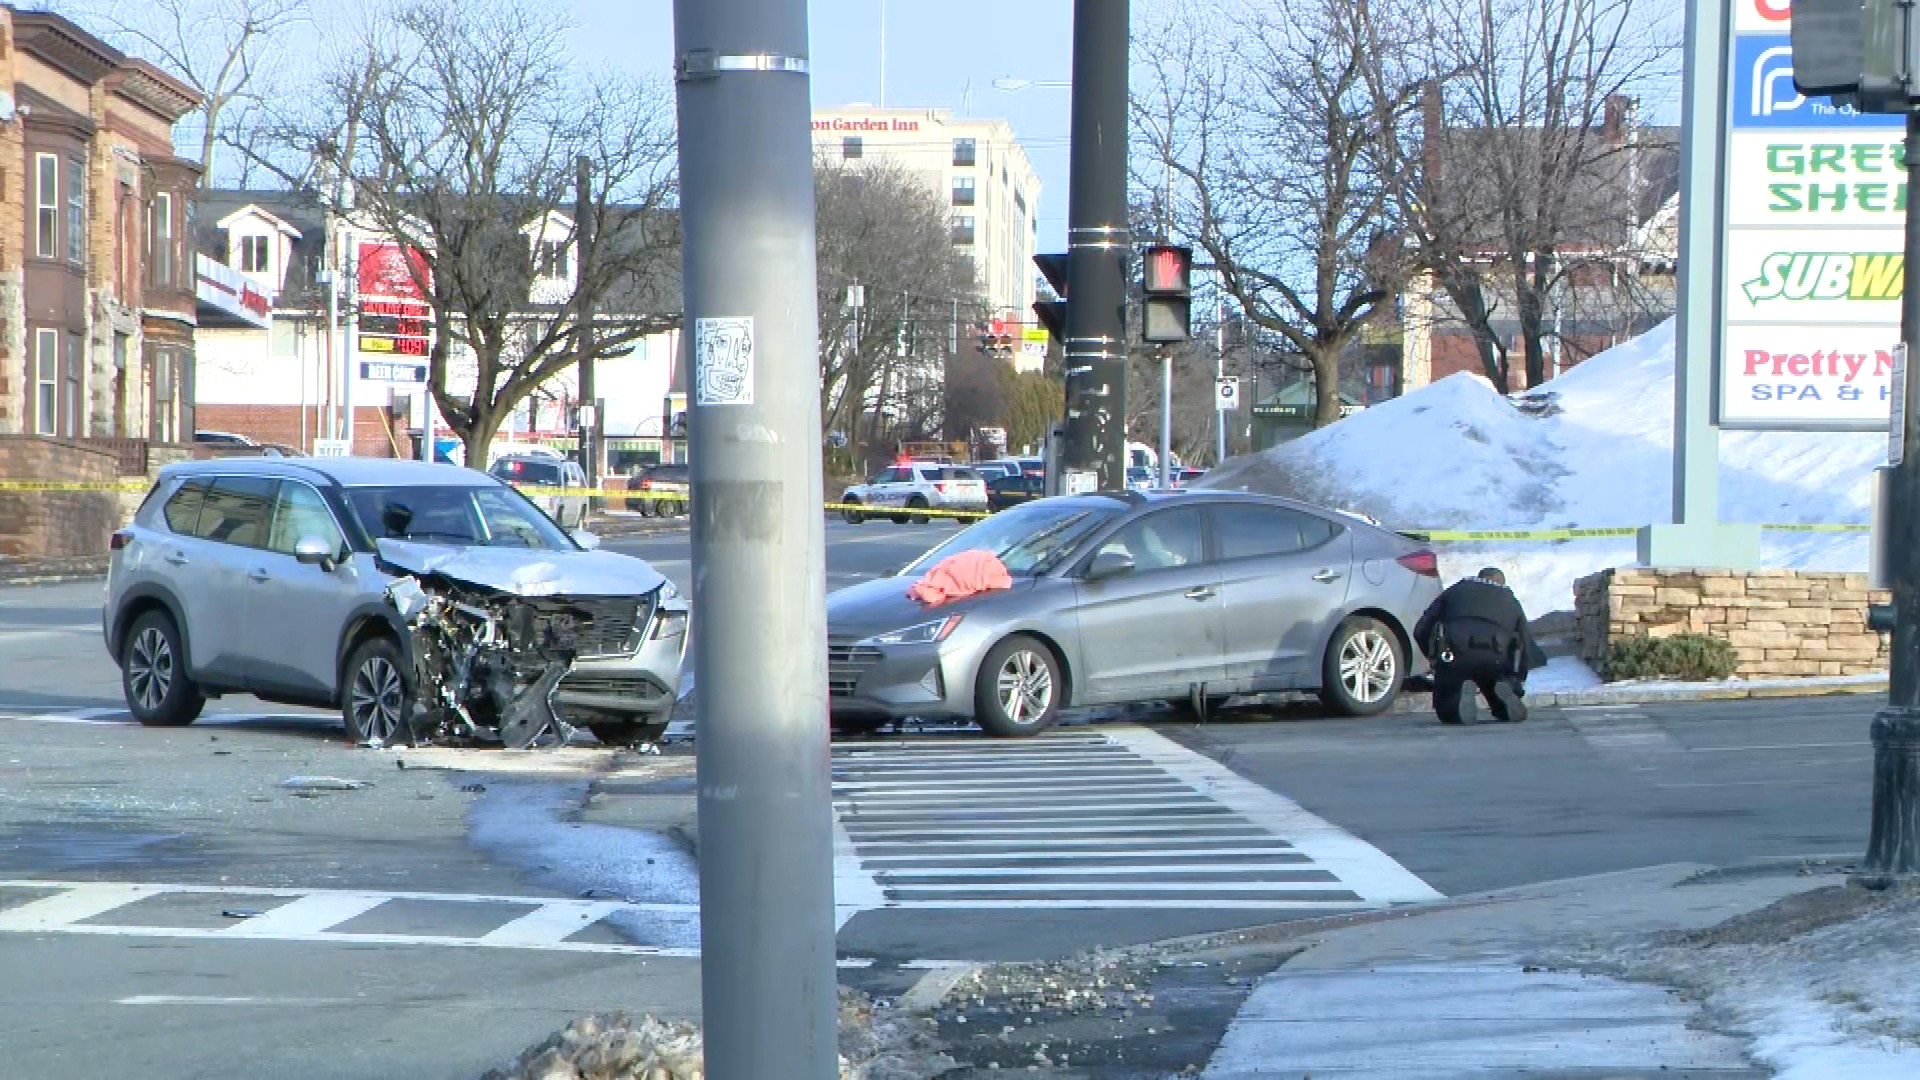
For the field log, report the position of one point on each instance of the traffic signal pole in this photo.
(768, 990)
(1098, 246)
(1893, 845)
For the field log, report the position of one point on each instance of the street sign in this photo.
(330, 448)
(1897, 412)
(1082, 481)
(1226, 393)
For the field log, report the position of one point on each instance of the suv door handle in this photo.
(1201, 592)
(1326, 576)
(259, 573)
(177, 558)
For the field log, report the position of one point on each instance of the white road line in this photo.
(1291, 857)
(1144, 778)
(1357, 864)
(854, 889)
(77, 902)
(88, 716)
(1137, 886)
(203, 999)
(1159, 870)
(1778, 746)
(947, 797)
(550, 924)
(1107, 903)
(307, 916)
(1213, 826)
(225, 934)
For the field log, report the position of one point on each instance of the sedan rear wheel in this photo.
(1364, 668)
(1019, 690)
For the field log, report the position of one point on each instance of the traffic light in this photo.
(1852, 50)
(1053, 313)
(1167, 279)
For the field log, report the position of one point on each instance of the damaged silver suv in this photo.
(309, 582)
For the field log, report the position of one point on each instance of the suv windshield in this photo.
(1030, 539)
(461, 516)
(522, 471)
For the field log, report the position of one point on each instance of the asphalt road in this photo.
(427, 924)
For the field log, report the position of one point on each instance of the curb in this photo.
(59, 571)
(1654, 693)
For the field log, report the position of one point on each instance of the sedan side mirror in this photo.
(586, 539)
(1110, 564)
(314, 551)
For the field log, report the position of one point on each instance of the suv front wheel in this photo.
(377, 696)
(153, 674)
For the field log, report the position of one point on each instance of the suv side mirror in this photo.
(586, 539)
(314, 551)
(1109, 564)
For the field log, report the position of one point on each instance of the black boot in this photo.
(1512, 706)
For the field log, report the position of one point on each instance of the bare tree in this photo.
(455, 127)
(228, 50)
(1526, 179)
(1265, 128)
(885, 229)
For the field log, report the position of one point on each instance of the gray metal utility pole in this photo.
(768, 989)
(1166, 417)
(1099, 245)
(583, 314)
(1893, 845)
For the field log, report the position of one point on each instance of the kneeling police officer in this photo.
(1476, 632)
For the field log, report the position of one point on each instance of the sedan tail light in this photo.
(1422, 562)
(120, 539)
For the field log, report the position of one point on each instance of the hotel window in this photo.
(46, 218)
(46, 363)
(76, 212)
(253, 255)
(963, 191)
(851, 148)
(963, 153)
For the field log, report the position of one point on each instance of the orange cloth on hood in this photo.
(961, 575)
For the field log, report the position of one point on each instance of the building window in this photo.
(963, 229)
(46, 218)
(552, 262)
(163, 396)
(253, 255)
(963, 153)
(963, 191)
(160, 240)
(851, 148)
(46, 362)
(73, 385)
(76, 212)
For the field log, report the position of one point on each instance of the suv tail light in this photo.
(1422, 562)
(646, 484)
(120, 539)
(941, 487)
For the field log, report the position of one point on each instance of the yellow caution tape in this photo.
(73, 485)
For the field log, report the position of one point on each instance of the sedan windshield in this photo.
(1030, 539)
(461, 516)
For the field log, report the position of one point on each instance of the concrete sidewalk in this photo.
(1526, 982)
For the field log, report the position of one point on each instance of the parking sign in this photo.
(1226, 393)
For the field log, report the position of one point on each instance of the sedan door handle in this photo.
(1201, 592)
(1326, 576)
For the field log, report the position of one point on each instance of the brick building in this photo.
(97, 296)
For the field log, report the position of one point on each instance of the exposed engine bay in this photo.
(492, 639)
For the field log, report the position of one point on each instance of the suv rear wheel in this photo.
(153, 674)
(377, 697)
(918, 503)
(849, 514)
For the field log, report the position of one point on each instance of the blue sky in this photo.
(931, 57)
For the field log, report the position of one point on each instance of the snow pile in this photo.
(1591, 449)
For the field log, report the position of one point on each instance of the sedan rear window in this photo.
(1244, 532)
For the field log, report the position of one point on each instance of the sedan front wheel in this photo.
(1019, 690)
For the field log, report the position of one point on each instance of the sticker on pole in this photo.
(723, 361)
(1897, 408)
(1226, 393)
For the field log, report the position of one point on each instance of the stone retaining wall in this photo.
(56, 523)
(1780, 622)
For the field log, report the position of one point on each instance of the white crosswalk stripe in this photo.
(1113, 818)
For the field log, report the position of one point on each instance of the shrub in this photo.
(1694, 657)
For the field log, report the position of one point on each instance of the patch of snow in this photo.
(1459, 455)
(1562, 674)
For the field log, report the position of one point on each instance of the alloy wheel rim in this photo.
(1026, 687)
(150, 669)
(1367, 666)
(376, 700)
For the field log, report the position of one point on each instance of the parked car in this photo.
(1187, 476)
(994, 470)
(1140, 478)
(1011, 491)
(665, 490)
(901, 490)
(537, 471)
(223, 438)
(1127, 597)
(261, 576)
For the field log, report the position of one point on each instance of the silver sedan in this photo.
(1182, 596)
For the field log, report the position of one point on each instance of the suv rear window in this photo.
(183, 508)
(519, 471)
(959, 474)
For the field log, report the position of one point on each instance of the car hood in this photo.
(875, 607)
(522, 572)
